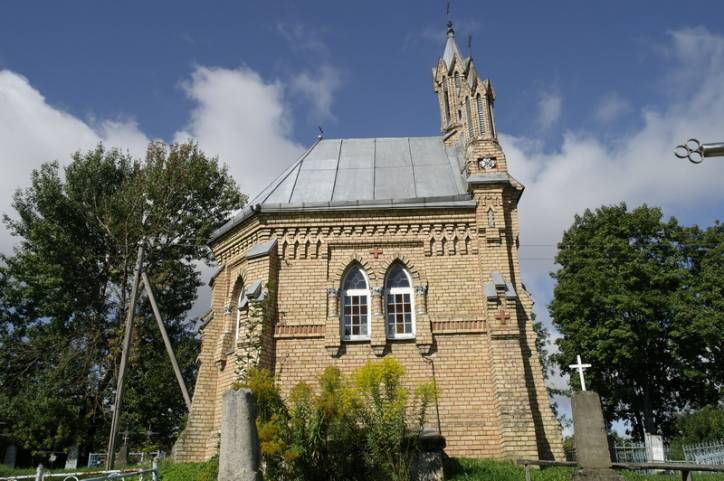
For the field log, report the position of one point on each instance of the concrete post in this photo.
(39, 473)
(156, 472)
(592, 453)
(239, 451)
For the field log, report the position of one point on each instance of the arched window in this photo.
(399, 305)
(447, 100)
(481, 113)
(241, 306)
(457, 82)
(355, 305)
(470, 118)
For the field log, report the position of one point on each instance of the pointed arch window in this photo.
(399, 303)
(470, 118)
(457, 82)
(355, 305)
(481, 113)
(447, 100)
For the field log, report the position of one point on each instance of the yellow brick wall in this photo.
(493, 400)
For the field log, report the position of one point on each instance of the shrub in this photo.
(366, 427)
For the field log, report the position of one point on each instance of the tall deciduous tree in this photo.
(64, 291)
(637, 297)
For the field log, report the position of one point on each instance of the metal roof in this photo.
(348, 174)
(369, 169)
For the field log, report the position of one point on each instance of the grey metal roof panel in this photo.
(433, 180)
(427, 150)
(510, 291)
(354, 184)
(314, 186)
(394, 182)
(283, 190)
(357, 154)
(323, 157)
(261, 249)
(393, 152)
(254, 289)
(490, 293)
(497, 279)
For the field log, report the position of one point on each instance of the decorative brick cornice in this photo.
(303, 330)
(459, 326)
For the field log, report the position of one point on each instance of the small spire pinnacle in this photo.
(450, 29)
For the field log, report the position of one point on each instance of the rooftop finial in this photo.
(450, 29)
(320, 136)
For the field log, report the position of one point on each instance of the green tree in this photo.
(628, 288)
(64, 291)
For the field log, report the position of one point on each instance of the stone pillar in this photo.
(428, 464)
(591, 440)
(239, 450)
(71, 462)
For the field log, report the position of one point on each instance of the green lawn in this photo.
(460, 469)
(457, 469)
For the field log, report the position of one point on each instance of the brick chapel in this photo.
(405, 247)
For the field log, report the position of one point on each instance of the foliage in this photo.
(366, 427)
(638, 298)
(64, 291)
(702, 425)
(206, 471)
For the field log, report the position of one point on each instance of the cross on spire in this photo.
(580, 367)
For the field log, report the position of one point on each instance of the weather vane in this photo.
(695, 151)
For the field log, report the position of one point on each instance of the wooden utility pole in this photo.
(166, 340)
(111, 451)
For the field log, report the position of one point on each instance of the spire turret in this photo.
(465, 99)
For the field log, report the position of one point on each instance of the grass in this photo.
(456, 469)
(461, 469)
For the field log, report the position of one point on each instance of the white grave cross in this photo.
(580, 367)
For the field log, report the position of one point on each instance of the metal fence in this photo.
(704, 453)
(97, 459)
(630, 453)
(41, 474)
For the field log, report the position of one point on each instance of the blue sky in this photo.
(591, 96)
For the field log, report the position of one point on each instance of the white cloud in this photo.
(588, 170)
(244, 121)
(611, 107)
(319, 89)
(33, 132)
(550, 105)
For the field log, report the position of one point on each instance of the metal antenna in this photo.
(470, 45)
(321, 133)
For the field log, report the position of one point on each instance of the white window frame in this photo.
(356, 292)
(401, 290)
